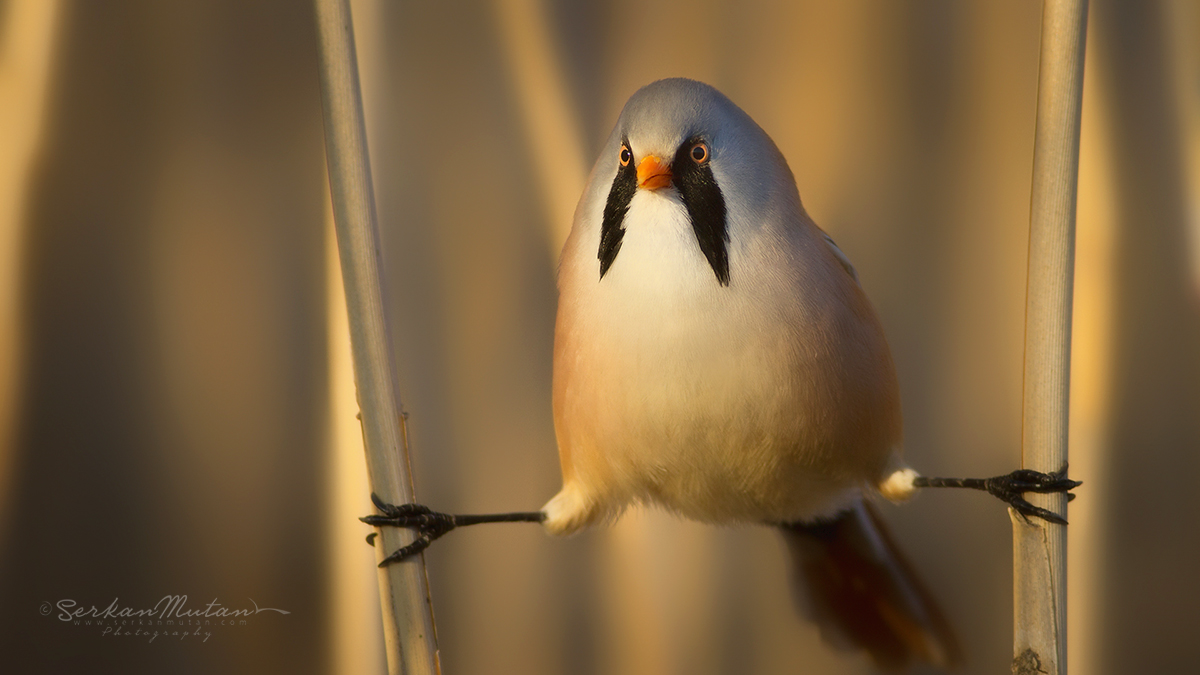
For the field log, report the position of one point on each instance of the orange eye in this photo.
(699, 153)
(626, 155)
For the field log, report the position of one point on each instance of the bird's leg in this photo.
(1010, 487)
(430, 525)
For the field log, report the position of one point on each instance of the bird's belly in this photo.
(720, 422)
(719, 442)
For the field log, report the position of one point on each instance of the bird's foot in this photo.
(1009, 488)
(428, 524)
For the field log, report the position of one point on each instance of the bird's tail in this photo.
(863, 594)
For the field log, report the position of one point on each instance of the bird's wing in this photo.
(837, 253)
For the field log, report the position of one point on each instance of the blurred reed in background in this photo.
(176, 417)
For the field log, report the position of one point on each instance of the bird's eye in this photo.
(626, 155)
(699, 153)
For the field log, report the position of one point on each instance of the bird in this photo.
(715, 355)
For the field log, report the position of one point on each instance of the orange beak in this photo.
(652, 174)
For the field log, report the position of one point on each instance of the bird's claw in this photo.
(429, 525)
(1010, 488)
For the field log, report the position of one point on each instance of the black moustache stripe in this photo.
(701, 196)
(612, 227)
(706, 208)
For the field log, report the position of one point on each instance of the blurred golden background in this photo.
(176, 409)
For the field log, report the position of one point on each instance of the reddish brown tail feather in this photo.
(863, 594)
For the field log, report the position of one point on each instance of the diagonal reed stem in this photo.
(409, 631)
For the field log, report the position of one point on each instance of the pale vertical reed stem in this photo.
(1039, 547)
(355, 627)
(409, 632)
